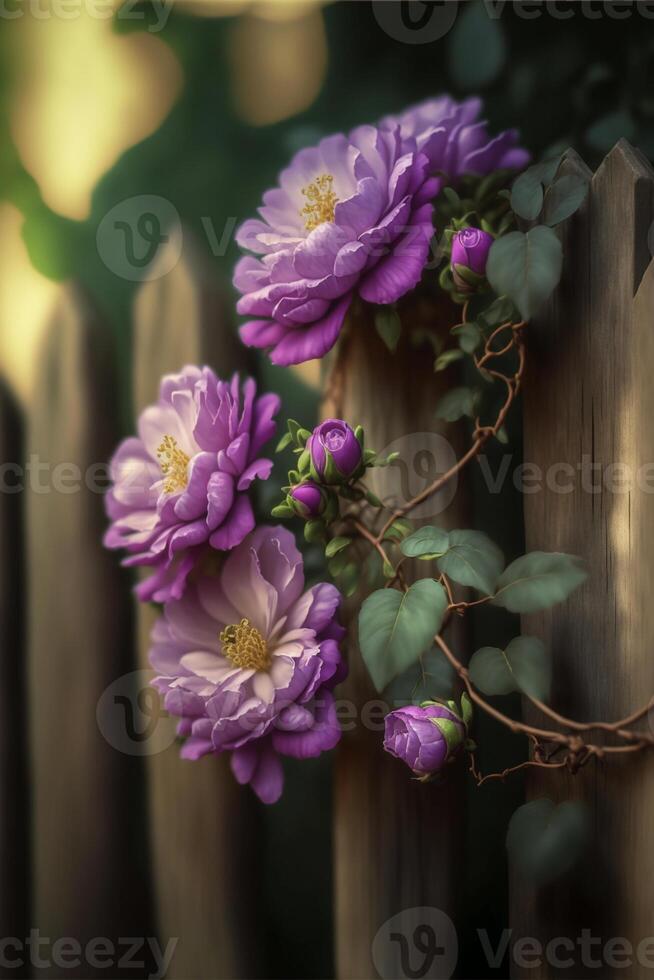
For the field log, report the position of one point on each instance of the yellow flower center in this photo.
(244, 645)
(321, 201)
(174, 465)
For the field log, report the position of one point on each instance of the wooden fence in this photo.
(95, 842)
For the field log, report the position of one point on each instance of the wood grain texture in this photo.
(589, 405)
(14, 821)
(87, 869)
(397, 843)
(203, 825)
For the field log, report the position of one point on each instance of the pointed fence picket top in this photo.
(589, 426)
(14, 823)
(87, 850)
(202, 823)
(397, 843)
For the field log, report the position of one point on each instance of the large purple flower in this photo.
(248, 661)
(456, 141)
(351, 215)
(180, 488)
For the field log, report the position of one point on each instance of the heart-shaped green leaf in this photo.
(527, 267)
(472, 559)
(524, 666)
(396, 627)
(545, 840)
(538, 580)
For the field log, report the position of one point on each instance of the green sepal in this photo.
(466, 710)
(304, 461)
(282, 511)
(368, 456)
(358, 434)
(303, 435)
(285, 441)
(451, 733)
(294, 477)
(293, 429)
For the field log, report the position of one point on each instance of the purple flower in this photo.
(248, 661)
(180, 487)
(424, 737)
(456, 141)
(308, 499)
(470, 248)
(352, 215)
(335, 451)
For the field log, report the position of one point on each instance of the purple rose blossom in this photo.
(308, 499)
(456, 141)
(470, 248)
(352, 215)
(181, 486)
(411, 735)
(333, 441)
(248, 661)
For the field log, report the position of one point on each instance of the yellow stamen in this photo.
(244, 645)
(321, 202)
(174, 465)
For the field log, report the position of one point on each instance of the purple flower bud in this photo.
(307, 499)
(423, 737)
(335, 451)
(470, 248)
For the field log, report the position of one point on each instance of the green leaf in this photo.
(545, 841)
(605, 132)
(293, 429)
(527, 194)
(472, 559)
(456, 403)
(524, 666)
(388, 326)
(314, 531)
(447, 357)
(336, 545)
(527, 267)
(395, 628)
(466, 710)
(477, 50)
(431, 541)
(468, 335)
(564, 197)
(350, 579)
(337, 563)
(432, 676)
(538, 580)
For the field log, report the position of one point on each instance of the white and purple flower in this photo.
(247, 659)
(352, 216)
(181, 486)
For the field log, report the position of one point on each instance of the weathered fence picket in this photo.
(203, 833)
(589, 410)
(14, 831)
(88, 878)
(397, 844)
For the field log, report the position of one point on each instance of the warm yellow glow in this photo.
(81, 95)
(278, 66)
(212, 8)
(26, 301)
(309, 373)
